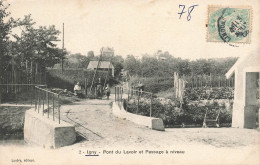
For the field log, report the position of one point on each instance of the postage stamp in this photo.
(229, 24)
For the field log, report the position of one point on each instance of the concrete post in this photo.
(250, 100)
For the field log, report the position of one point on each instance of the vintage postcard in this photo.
(129, 82)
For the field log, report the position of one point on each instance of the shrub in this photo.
(192, 113)
(209, 93)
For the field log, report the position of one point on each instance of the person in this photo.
(99, 89)
(77, 89)
(107, 91)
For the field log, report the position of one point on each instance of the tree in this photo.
(117, 61)
(90, 55)
(37, 45)
(6, 25)
(132, 65)
(150, 66)
(77, 61)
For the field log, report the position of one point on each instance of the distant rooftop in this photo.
(107, 50)
(103, 64)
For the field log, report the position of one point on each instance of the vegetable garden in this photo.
(192, 111)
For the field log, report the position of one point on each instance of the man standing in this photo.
(99, 89)
(107, 91)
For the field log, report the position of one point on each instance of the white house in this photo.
(246, 105)
(104, 65)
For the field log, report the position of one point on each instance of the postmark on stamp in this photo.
(229, 24)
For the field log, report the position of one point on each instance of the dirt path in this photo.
(100, 130)
(95, 121)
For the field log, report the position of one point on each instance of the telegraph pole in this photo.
(62, 48)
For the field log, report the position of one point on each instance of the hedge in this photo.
(171, 113)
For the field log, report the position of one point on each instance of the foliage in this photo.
(21, 42)
(78, 60)
(164, 64)
(70, 77)
(6, 25)
(209, 93)
(37, 44)
(132, 65)
(192, 113)
(153, 84)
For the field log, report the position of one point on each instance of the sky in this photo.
(133, 26)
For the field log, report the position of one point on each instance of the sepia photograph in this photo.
(129, 82)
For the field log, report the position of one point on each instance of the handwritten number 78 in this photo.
(190, 9)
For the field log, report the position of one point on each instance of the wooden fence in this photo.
(15, 82)
(198, 81)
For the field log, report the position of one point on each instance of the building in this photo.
(107, 51)
(104, 66)
(246, 103)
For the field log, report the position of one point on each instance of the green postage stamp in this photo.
(229, 24)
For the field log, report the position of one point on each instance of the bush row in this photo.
(209, 93)
(171, 113)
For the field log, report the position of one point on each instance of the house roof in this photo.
(103, 64)
(251, 59)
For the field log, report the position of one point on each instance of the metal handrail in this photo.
(119, 93)
(41, 98)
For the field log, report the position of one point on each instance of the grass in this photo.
(12, 122)
(12, 117)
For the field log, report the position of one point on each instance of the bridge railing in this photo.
(47, 102)
(123, 97)
(119, 95)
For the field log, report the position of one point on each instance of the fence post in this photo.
(43, 103)
(128, 94)
(118, 94)
(95, 92)
(196, 82)
(16, 100)
(31, 97)
(192, 81)
(86, 86)
(122, 91)
(151, 105)
(35, 91)
(138, 103)
(218, 81)
(0, 95)
(115, 94)
(210, 80)
(39, 100)
(48, 103)
(59, 107)
(53, 104)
